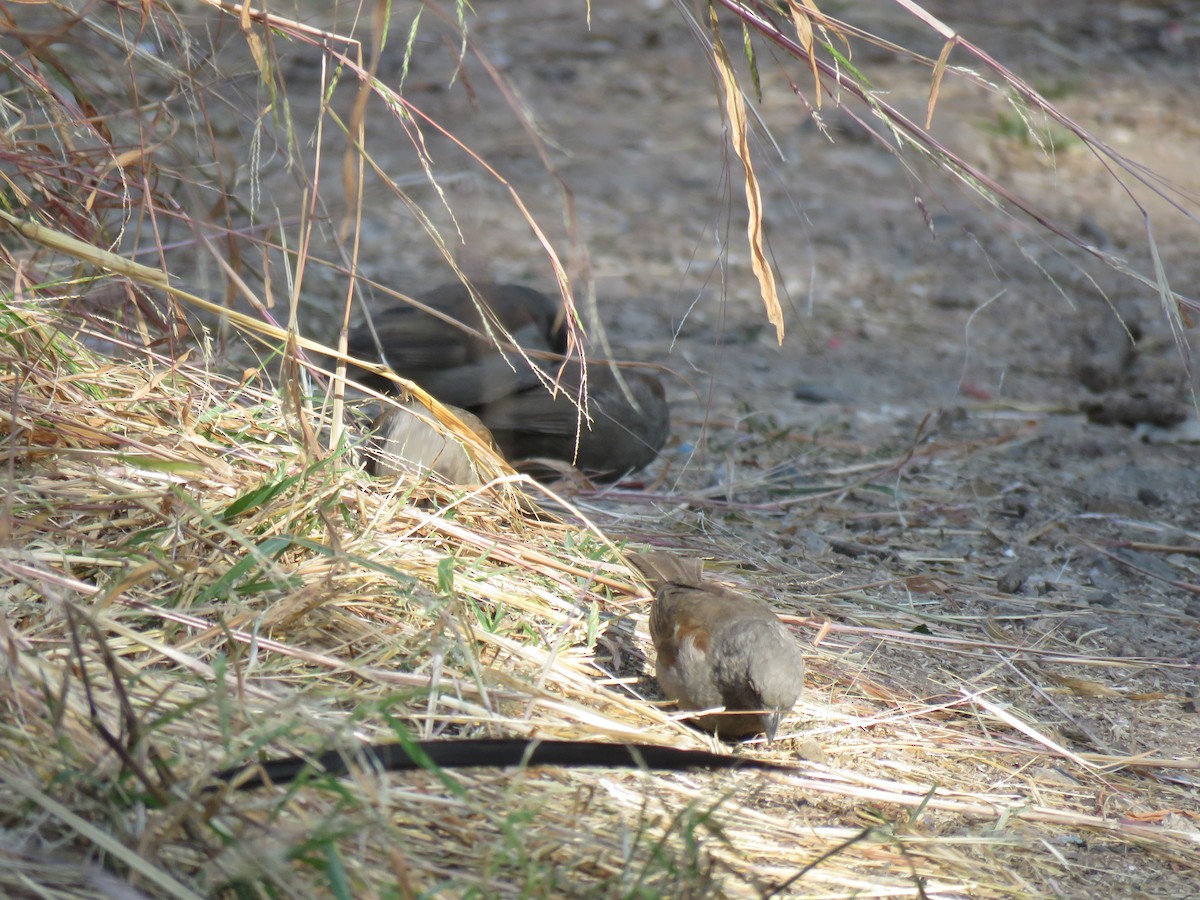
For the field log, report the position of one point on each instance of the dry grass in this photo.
(196, 575)
(185, 588)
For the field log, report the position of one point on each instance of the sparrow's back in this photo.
(717, 647)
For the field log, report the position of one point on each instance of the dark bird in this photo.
(405, 436)
(461, 366)
(719, 648)
(627, 430)
(450, 352)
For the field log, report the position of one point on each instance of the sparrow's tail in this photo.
(660, 567)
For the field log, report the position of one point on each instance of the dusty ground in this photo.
(955, 350)
(917, 442)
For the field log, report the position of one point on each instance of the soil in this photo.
(973, 368)
(957, 435)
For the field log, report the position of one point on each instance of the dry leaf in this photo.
(735, 110)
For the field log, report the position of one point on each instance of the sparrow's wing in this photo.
(506, 308)
(686, 625)
(540, 412)
(412, 339)
(452, 365)
(533, 412)
(492, 379)
(712, 607)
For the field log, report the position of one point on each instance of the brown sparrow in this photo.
(719, 648)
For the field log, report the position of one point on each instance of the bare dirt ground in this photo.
(917, 449)
(956, 350)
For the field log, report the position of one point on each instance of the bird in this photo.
(443, 355)
(404, 435)
(629, 415)
(717, 647)
(629, 421)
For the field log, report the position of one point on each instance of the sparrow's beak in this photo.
(773, 720)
